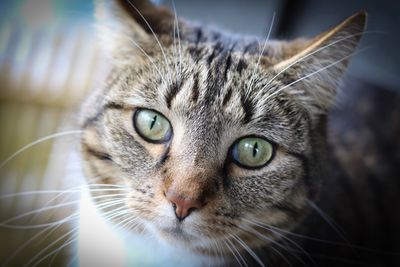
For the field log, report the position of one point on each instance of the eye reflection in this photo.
(152, 126)
(252, 152)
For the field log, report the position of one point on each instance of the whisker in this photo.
(248, 249)
(179, 37)
(314, 72)
(6, 225)
(72, 261)
(175, 48)
(66, 244)
(48, 247)
(150, 59)
(238, 253)
(41, 140)
(276, 243)
(60, 192)
(329, 220)
(29, 241)
(233, 252)
(152, 31)
(283, 256)
(251, 83)
(312, 53)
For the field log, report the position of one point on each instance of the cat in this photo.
(221, 150)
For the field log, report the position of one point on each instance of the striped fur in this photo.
(215, 89)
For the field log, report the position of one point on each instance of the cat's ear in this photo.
(315, 67)
(123, 25)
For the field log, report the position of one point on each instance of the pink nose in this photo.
(183, 205)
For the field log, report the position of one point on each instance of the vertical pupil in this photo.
(255, 149)
(153, 121)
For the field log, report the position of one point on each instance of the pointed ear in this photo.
(122, 22)
(315, 66)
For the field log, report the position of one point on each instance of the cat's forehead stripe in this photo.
(172, 91)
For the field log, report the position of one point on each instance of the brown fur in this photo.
(213, 92)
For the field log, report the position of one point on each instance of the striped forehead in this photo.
(217, 79)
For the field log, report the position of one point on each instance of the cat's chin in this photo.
(176, 234)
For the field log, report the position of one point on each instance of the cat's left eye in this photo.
(152, 126)
(252, 152)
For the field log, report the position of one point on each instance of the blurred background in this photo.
(50, 59)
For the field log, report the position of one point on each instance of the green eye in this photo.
(152, 126)
(252, 152)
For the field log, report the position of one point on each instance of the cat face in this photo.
(213, 139)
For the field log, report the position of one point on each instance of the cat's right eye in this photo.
(152, 126)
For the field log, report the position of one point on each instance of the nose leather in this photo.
(183, 205)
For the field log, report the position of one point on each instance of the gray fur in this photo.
(210, 87)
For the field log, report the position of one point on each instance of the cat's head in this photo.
(212, 138)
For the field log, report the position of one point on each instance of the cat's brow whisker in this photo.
(315, 72)
(150, 59)
(41, 140)
(310, 54)
(175, 47)
(152, 31)
(251, 83)
(179, 37)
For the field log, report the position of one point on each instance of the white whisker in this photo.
(232, 252)
(152, 31)
(30, 262)
(251, 82)
(238, 253)
(179, 38)
(41, 140)
(314, 72)
(248, 249)
(310, 54)
(60, 192)
(150, 59)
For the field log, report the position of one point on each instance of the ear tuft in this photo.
(124, 25)
(151, 17)
(317, 65)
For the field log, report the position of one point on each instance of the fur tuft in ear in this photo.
(315, 66)
(126, 25)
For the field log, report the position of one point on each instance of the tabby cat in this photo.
(222, 150)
